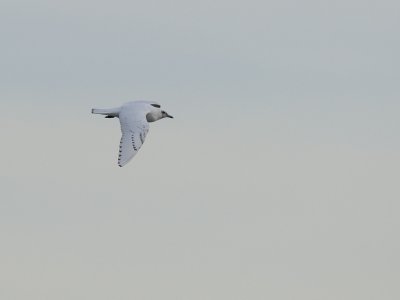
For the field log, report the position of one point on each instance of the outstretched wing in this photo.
(134, 128)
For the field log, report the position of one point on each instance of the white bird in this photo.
(134, 118)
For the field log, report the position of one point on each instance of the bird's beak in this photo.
(169, 116)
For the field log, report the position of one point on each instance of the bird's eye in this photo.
(156, 105)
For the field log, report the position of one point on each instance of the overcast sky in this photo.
(277, 179)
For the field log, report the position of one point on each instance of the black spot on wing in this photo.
(120, 152)
(133, 143)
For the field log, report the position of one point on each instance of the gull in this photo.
(134, 118)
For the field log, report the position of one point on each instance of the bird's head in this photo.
(156, 113)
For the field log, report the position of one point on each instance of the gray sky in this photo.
(277, 179)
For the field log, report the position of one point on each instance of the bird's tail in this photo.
(110, 112)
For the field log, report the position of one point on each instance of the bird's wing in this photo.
(134, 128)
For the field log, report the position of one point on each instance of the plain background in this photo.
(277, 179)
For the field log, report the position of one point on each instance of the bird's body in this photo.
(134, 118)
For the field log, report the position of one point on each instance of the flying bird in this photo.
(134, 118)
